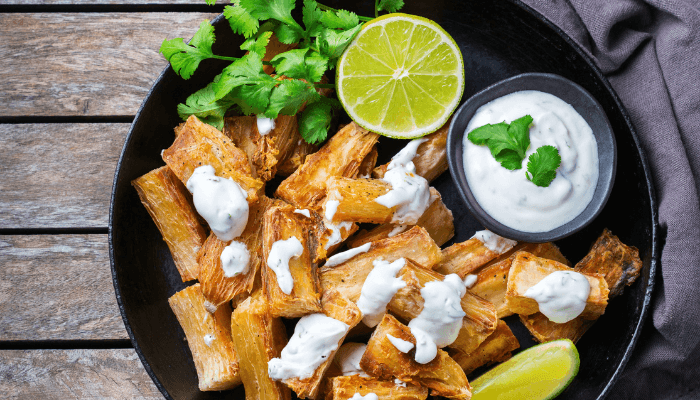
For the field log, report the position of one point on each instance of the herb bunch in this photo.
(320, 40)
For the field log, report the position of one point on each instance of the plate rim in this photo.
(598, 74)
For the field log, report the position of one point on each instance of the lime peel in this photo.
(541, 372)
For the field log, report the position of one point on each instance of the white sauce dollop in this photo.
(336, 233)
(368, 396)
(561, 295)
(439, 322)
(208, 339)
(278, 260)
(348, 357)
(400, 344)
(303, 212)
(410, 192)
(265, 125)
(235, 259)
(315, 337)
(507, 195)
(346, 255)
(493, 242)
(221, 202)
(331, 207)
(470, 280)
(398, 382)
(378, 289)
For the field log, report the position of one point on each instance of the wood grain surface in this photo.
(84, 64)
(57, 175)
(74, 374)
(57, 287)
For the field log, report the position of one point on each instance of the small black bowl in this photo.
(583, 103)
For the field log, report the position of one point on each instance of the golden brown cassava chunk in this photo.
(528, 270)
(340, 156)
(466, 257)
(368, 164)
(209, 339)
(384, 361)
(282, 223)
(344, 387)
(297, 157)
(496, 348)
(259, 337)
(356, 200)
(170, 205)
(201, 144)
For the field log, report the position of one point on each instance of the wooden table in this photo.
(73, 77)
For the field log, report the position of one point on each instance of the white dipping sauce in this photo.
(507, 195)
(235, 259)
(470, 280)
(346, 255)
(265, 125)
(561, 295)
(493, 242)
(348, 357)
(315, 337)
(278, 260)
(221, 202)
(368, 396)
(402, 345)
(208, 339)
(379, 288)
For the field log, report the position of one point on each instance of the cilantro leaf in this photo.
(300, 64)
(257, 45)
(311, 16)
(507, 142)
(331, 43)
(340, 19)
(240, 21)
(287, 34)
(289, 97)
(315, 121)
(542, 165)
(206, 107)
(185, 58)
(280, 10)
(390, 6)
(245, 71)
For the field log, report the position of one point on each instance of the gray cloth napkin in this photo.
(650, 52)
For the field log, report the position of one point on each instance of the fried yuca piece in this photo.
(340, 156)
(216, 287)
(496, 348)
(431, 156)
(348, 277)
(259, 337)
(368, 164)
(209, 339)
(355, 199)
(201, 144)
(619, 263)
(264, 152)
(299, 153)
(344, 387)
(467, 257)
(437, 220)
(384, 361)
(492, 280)
(338, 307)
(282, 223)
(527, 270)
(479, 322)
(170, 205)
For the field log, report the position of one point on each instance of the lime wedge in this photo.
(538, 373)
(402, 76)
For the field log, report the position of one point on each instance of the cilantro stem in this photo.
(324, 85)
(376, 8)
(324, 7)
(235, 59)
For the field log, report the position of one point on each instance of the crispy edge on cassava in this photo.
(348, 277)
(527, 270)
(344, 387)
(201, 144)
(280, 222)
(356, 200)
(496, 348)
(217, 363)
(479, 322)
(338, 307)
(492, 280)
(217, 288)
(259, 337)
(437, 220)
(368, 164)
(340, 156)
(384, 361)
(170, 206)
(431, 156)
(619, 263)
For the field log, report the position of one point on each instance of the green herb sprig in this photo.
(321, 39)
(508, 144)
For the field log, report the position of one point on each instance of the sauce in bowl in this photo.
(508, 196)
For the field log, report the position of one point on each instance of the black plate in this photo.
(498, 40)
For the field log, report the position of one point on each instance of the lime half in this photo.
(402, 76)
(538, 373)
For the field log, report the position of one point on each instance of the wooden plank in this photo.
(57, 287)
(58, 175)
(74, 374)
(89, 64)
